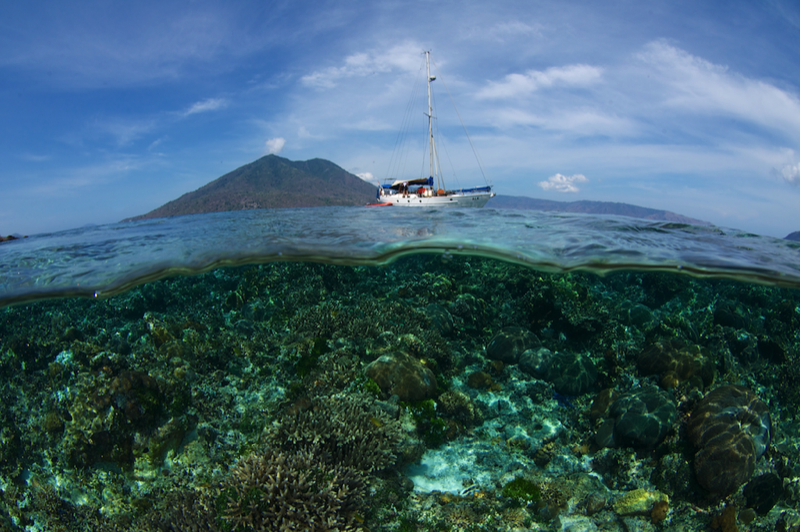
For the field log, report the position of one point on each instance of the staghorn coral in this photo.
(277, 491)
(345, 429)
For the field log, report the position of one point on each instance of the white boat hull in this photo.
(452, 200)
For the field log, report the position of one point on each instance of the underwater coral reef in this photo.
(434, 393)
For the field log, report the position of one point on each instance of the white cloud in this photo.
(404, 57)
(368, 177)
(274, 146)
(211, 104)
(701, 86)
(791, 174)
(563, 183)
(515, 85)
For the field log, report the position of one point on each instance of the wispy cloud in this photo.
(79, 179)
(563, 183)
(210, 104)
(517, 85)
(124, 131)
(87, 45)
(503, 31)
(700, 86)
(579, 121)
(34, 158)
(404, 57)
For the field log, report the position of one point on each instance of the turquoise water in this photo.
(378, 369)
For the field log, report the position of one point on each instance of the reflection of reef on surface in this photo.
(175, 405)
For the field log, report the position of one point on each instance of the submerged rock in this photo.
(763, 492)
(400, 374)
(510, 343)
(731, 428)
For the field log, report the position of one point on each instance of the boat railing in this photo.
(462, 191)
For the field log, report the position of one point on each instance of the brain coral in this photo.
(731, 427)
(640, 419)
(572, 373)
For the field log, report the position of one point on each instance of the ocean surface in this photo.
(399, 370)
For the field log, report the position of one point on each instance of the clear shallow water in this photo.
(164, 398)
(100, 261)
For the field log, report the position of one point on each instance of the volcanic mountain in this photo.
(272, 182)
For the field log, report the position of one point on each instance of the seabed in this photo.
(436, 392)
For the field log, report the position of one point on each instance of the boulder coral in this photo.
(731, 428)
(572, 374)
(400, 374)
(676, 363)
(640, 419)
(510, 343)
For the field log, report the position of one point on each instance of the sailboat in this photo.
(430, 191)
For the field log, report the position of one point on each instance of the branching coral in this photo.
(290, 491)
(346, 429)
(314, 473)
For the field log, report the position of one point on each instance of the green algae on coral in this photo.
(430, 426)
(522, 489)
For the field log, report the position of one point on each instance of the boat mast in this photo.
(434, 162)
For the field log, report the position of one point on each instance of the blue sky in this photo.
(110, 109)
